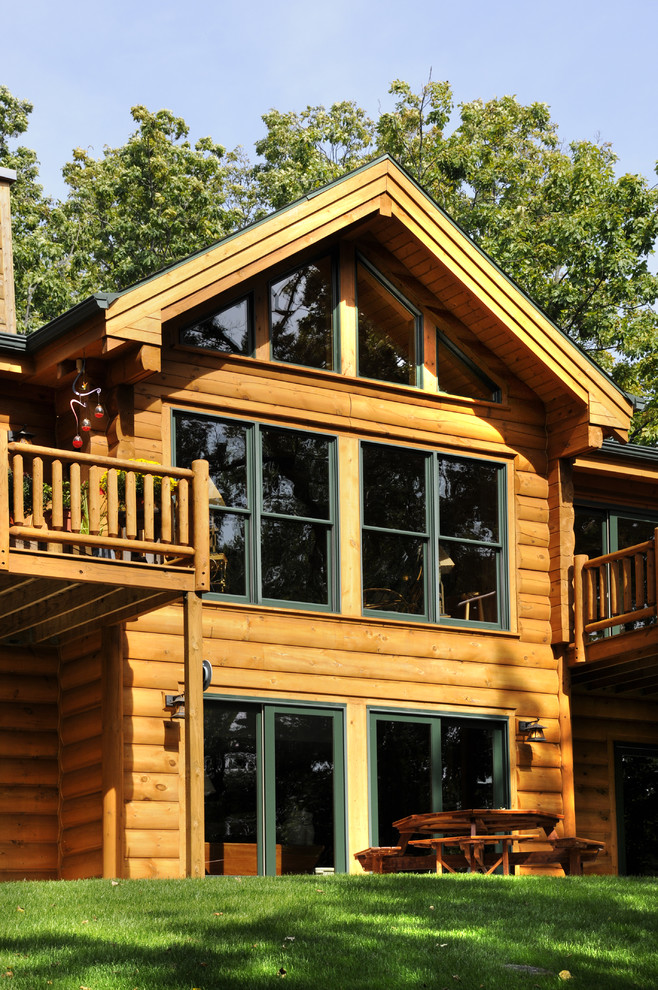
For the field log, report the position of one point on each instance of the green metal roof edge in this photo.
(627, 451)
(29, 343)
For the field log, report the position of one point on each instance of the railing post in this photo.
(579, 608)
(201, 525)
(4, 500)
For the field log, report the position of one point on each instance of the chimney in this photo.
(7, 302)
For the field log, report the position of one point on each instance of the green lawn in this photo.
(328, 933)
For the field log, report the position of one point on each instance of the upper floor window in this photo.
(228, 329)
(433, 536)
(459, 375)
(303, 316)
(600, 531)
(389, 330)
(273, 509)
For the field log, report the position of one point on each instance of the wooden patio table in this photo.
(486, 827)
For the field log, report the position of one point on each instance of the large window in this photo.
(273, 512)
(274, 786)
(433, 536)
(601, 530)
(421, 763)
(389, 330)
(303, 314)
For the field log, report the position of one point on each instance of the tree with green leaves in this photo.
(148, 203)
(40, 288)
(577, 238)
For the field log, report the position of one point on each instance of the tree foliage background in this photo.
(558, 219)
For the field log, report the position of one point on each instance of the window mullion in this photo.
(256, 500)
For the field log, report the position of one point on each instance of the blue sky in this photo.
(222, 65)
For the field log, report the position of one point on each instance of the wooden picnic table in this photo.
(480, 839)
(472, 830)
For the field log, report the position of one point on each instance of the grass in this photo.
(331, 933)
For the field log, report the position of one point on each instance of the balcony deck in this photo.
(87, 541)
(616, 622)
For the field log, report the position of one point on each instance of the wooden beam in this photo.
(194, 818)
(112, 735)
(134, 366)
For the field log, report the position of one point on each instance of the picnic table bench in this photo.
(483, 849)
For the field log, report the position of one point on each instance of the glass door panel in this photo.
(303, 791)
(232, 747)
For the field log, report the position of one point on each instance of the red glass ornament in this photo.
(85, 425)
(99, 412)
(77, 441)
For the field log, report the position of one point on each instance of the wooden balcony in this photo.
(88, 541)
(616, 622)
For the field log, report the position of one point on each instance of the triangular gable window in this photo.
(389, 330)
(459, 375)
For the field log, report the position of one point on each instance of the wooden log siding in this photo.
(81, 760)
(28, 764)
(598, 724)
(327, 659)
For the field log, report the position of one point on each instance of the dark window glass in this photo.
(458, 375)
(444, 564)
(404, 774)
(231, 782)
(393, 573)
(468, 493)
(387, 332)
(630, 532)
(430, 763)
(304, 790)
(294, 561)
(467, 753)
(302, 315)
(591, 531)
(394, 488)
(228, 329)
(295, 474)
(272, 508)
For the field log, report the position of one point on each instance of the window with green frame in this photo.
(273, 509)
(304, 314)
(433, 536)
(421, 762)
(389, 330)
(274, 787)
(228, 329)
(601, 529)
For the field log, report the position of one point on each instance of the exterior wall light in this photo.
(532, 731)
(176, 702)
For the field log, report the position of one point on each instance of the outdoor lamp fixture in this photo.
(83, 391)
(177, 701)
(532, 731)
(21, 436)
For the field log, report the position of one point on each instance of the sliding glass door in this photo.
(423, 763)
(274, 788)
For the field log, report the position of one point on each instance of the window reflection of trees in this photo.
(276, 543)
(226, 330)
(302, 306)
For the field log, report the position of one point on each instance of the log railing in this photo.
(67, 502)
(614, 592)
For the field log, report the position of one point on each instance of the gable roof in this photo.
(406, 220)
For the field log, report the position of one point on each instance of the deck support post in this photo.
(194, 813)
(112, 734)
(579, 608)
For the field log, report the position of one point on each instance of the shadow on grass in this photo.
(356, 933)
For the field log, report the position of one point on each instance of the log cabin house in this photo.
(343, 459)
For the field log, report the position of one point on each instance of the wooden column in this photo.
(4, 502)
(112, 687)
(566, 748)
(194, 820)
(580, 651)
(7, 300)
